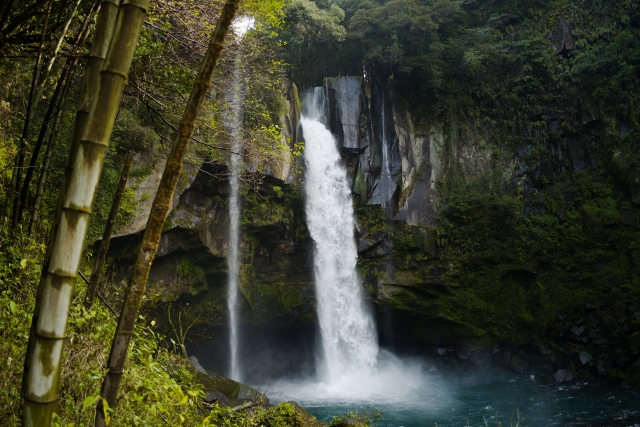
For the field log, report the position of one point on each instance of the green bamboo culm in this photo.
(158, 215)
(105, 26)
(43, 360)
(40, 403)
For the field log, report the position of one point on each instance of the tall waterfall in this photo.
(349, 340)
(233, 122)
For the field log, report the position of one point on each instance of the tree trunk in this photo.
(54, 55)
(36, 148)
(43, 360)
(66, 74)
(158, 215)
(96, 274)
(47, 157)
(5, 15)
(16, 178)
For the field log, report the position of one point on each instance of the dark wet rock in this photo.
(217, 397)
(633, 344)
(563, 375)
(543, 379)
(585, 357)
(234, 393)
(602, 369)
(578, 330)
(616, 376)
(480, 358)
(519, 365)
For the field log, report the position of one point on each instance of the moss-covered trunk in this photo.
(158, 215)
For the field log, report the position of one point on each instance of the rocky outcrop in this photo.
(523, 235)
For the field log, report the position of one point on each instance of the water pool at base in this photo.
(449, 401)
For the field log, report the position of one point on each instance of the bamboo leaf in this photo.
(90, 401)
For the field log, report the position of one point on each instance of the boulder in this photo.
(563, 375)
(228, 392)
(585, 357)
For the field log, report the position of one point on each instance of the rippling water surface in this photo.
(413, 398)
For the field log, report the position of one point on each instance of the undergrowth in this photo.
(159, 387)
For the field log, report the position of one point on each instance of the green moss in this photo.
(285, 294)
(286, 414)
(371, 217)
(188, 269)
(296, 97)
(290, 298)
(229, 387)
(142, 172)
(498, 273)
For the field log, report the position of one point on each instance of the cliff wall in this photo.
(461, 238)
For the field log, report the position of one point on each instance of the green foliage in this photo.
(510, 263)
(354, 418)
(158, 386)
(286, 414)
(309, 36)
(403, 34)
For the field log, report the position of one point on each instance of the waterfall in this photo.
(349, 340)
(233, 122)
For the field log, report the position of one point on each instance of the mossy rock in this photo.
(286, 414)
(228, 387)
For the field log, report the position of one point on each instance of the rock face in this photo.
(441, 262)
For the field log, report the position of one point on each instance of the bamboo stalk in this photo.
(158, 214)
(43, 360)
(105, 26)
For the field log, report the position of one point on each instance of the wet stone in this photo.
(585, 357)
(578, 330)
(563, 375)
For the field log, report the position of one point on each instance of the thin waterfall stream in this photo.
(233, 122)
(385, 178)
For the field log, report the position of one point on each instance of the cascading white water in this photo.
(349, 340)
(233, 122)
(353, 370)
